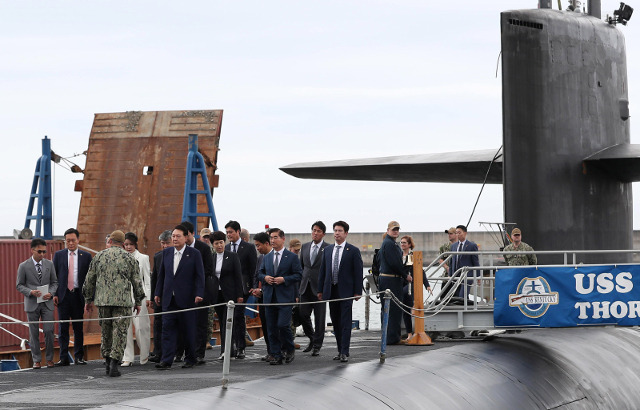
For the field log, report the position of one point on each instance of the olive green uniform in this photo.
(520, 260)
(112, 274)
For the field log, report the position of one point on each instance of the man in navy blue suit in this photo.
(340, 277)
(180, 286)
(71, 266)
(460, 261)
(280, 274)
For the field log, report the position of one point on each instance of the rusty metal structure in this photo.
(135, 172)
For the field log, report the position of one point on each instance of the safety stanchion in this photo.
(385, 324)
(227, 344)
(367, 305)
(420, 337)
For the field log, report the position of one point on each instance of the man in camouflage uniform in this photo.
(519, 246)
(447, 246)
(111, 275)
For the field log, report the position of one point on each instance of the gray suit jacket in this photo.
(28, 280)
(310, 270)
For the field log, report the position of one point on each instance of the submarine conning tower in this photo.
(564, 99)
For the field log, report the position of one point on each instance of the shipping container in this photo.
(12, 254)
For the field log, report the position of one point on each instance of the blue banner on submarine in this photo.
(568, 296)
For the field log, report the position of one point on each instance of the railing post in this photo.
(420, 337)
(385, 324)
(367, 305)
(227, 344)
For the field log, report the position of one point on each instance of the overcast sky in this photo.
(298, 81)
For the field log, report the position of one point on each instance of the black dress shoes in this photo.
(62, 363)
(316, 351)
(241, 354)
(288, 357)
(178, 359)
(80, 361)
(200, 360)
(344, 358)
(163, 366)
(276, 361)
(309, 347)
(155, 359)
(336, 357)
(187, 365)
(267, 358)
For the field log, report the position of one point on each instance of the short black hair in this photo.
(188, 225)
(218, 236)
(182, 228)
(35, 242)
(261, 237)
(343, 224)
(279, 231)
(132, 237)
(464, 228)
(320, 225)
(235, 225)
(72, 230)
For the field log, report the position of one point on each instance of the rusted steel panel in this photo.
(12, 254)
(119, 191)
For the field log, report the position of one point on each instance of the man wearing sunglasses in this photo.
(518, 246)
(33, 274)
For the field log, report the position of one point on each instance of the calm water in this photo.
(374, 310)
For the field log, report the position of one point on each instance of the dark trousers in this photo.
(263, 321)
(221, 311)
(202, 323)
(319, 315)
(240, 325)
(183, 323)
(394, 284)
(407, 299)
(341, 315)
(157, 331)
(280, 336)
(71, 308)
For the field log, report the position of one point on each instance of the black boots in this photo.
(114, 371)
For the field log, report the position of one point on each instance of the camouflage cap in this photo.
(393, 224)
(205, 232)
(516, 231)
(117, 236)
(295, 244)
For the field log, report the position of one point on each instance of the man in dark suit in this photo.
(202, 315)
(180, 286)
(248, 257)
(263, 246)
(280, 275)
(228, 277)
(460, 261)
(341, 277)
(165, 242)
(71, 266)
(310, 257)
(33, 273)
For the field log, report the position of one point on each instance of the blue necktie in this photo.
(336, 265)
(234, 247)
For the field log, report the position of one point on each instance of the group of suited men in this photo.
(278, 277)
(189, 273)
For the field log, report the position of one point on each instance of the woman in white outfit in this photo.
(140, 322)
